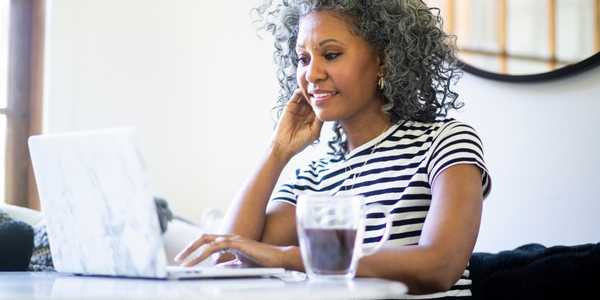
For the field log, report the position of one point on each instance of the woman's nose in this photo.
(315, 71)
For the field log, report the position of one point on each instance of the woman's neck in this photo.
(364, 128)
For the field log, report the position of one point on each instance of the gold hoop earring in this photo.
(381, 82)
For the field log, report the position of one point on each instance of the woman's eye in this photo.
(332, 55)
(302, 60)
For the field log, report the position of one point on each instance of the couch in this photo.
(29, 216)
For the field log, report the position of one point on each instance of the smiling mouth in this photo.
(320, 97)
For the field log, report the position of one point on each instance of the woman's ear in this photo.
(380, 63)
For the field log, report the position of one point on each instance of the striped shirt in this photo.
(396, 169)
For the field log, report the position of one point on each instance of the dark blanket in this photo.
(16, 245)
(533, 271)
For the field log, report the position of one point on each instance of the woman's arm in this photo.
(447, 238)
(297, 128)
(248, 218)
(246, 215)
(255, 234)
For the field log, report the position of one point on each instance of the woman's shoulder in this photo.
(436, 128)
(413, 129)
(432, 124)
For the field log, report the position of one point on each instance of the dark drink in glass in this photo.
(330, 233)
(329, 250)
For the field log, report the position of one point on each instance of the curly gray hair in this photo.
(418, 57)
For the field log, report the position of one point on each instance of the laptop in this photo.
(100, 214)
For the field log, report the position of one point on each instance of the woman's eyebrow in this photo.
(327, 41)
(321, 43)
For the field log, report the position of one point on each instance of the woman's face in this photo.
(337, 69)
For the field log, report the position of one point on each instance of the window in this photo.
(522, 36)
(21, 61)
(3, 86)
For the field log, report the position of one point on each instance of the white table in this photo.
(25, 285)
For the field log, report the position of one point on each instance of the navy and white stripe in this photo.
(397, 170)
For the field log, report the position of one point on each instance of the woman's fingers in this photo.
(195, 257)
(202, 240)
(297, 96)
(297, 105)
(208, 249)
(190, 248)
(249, 252)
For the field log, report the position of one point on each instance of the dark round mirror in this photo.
(524, 40)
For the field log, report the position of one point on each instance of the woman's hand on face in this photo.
(247, 252)
(298, 126)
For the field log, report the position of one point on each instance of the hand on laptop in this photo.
(247, 252)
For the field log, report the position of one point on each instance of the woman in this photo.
(382, 71)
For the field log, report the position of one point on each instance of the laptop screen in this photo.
(95, 194)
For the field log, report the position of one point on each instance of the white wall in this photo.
(542, 145)
(198, 83)
(191, 75)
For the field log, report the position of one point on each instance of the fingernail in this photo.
(177, 258)
(185, 262)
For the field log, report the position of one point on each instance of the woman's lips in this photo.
(321, 97)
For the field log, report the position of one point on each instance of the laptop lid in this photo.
(95, 193)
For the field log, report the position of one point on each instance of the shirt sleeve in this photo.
(286, 191)
(457, 143)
